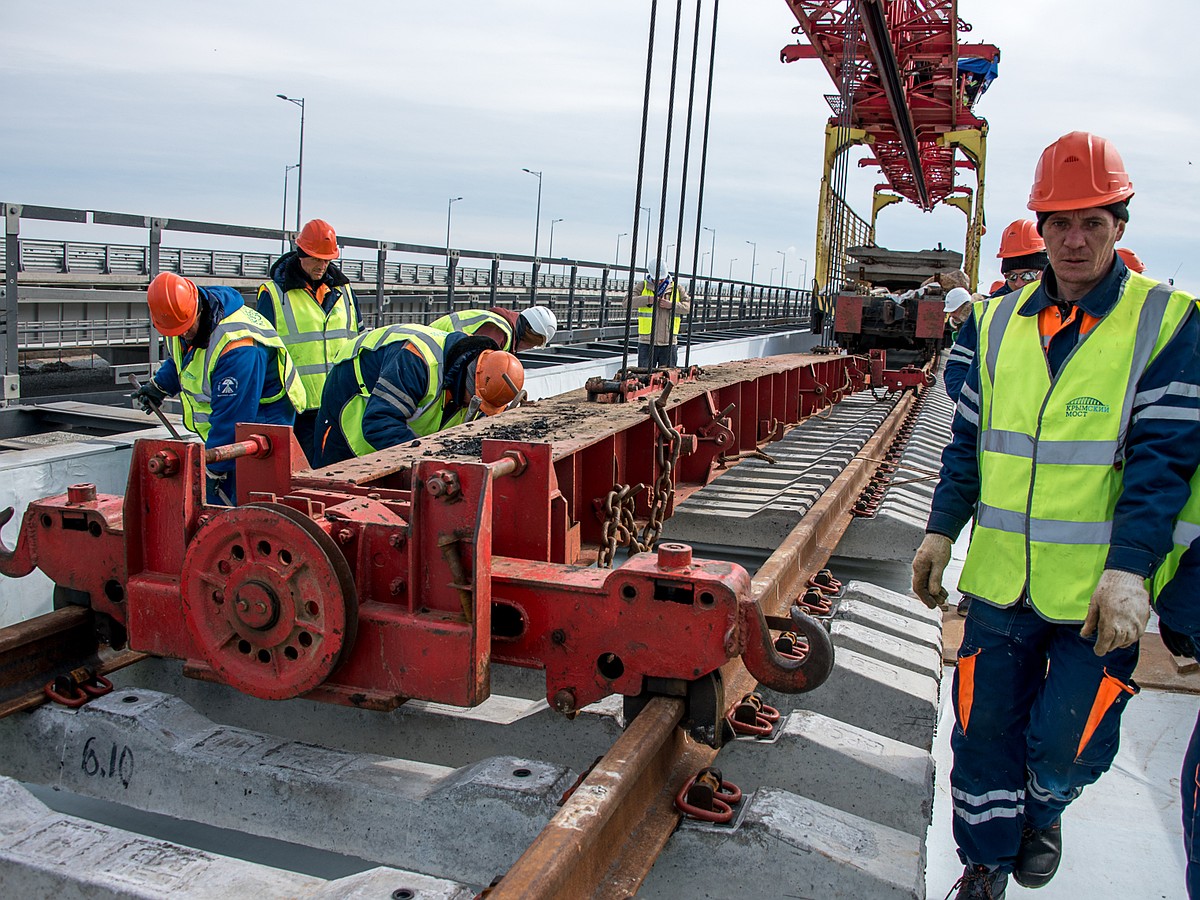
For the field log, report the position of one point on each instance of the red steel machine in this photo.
(408, 573)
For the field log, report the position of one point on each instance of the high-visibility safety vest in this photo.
(311, 335)
(470, 321)
(645, 314)
(1187, 532)
(195, 379)
(1051, 451)
(430, 344)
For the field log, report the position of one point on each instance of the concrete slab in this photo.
(153, 752)
(840, 765)
(886, 648)
(901, 626)
(47, 854)
(873, 695)
(785, 845)
(892, 601)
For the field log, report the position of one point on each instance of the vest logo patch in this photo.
(227, 387)
(1081, 406)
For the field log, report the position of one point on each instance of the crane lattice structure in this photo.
(906, 90)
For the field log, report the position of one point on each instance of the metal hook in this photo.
(17, 562)
(773, 670)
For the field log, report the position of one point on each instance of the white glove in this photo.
(1118, 611)
(928, 565)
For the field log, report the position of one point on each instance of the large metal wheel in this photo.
(269, 600)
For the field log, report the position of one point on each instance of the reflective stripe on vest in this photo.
(195, 379)
(1048, 449)
(311, 335)
(645, 314)
(430, 343)
(469, 321)
(1186, 533)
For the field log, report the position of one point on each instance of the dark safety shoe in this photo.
(980, 883)
(1038, 856)
(964, 605)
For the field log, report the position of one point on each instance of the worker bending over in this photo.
(659, 319)
(401, 382)
(512, 331)
(227, 365)
(1075, 437)
(309, 302)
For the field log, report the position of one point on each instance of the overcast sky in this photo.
(169, 109)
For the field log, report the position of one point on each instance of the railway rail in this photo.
(526, 514)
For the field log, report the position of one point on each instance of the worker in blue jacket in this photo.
(225, 362)
(1074, 472)
(401, 382)
(1178, 607)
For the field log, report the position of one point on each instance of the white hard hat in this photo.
(541, 320)
(956, 297)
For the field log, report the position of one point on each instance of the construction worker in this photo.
(225, 362)
(1075, 436)
(957, 308)
(671, 300)
(1022, 257)
(309, 302)
(1131, 260)
(401, 382)
(512, 331)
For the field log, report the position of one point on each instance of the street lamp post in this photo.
(753, 259)
(550, 252)
(702, 255)
(298, 101)
(449, 205)
(283, 222)
(783, 271)
(731, 262)
(617, 253)
(538, 221)
(804, 277)
(712, 250)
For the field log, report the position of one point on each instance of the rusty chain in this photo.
(667, 445)
(620, 527)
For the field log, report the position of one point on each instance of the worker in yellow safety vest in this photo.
(1076, 434)
(312, 307)
(659, 319)
(515, 332)
(225, 362)
(401, 382)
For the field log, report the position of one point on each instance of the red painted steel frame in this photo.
(925, 43)
(406, 573)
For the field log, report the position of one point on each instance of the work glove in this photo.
(149, 396)
(928, 565)
(1118, 611)
(1177, 643)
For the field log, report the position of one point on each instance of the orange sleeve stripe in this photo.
(233, 345)
(966, 688)
(1109, 690)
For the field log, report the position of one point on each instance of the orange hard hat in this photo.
(317, 238)
(996, 285)
(1020, 239)
(1079, 171)
(174, 303)
(490, 386)
(1131, 260)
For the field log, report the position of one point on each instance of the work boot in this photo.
(1038, 855)
(964, 605)
(980, 883)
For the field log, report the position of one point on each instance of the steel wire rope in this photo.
(666, 175)
(637, 203)
(712, 58)
(687, 154)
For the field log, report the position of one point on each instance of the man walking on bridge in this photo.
(1076, 434)
(309, 302)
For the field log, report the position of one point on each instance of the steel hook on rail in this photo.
(774, 670)
(19, 561)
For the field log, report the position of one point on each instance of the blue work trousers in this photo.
(1189, 789)
(1037, 719)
